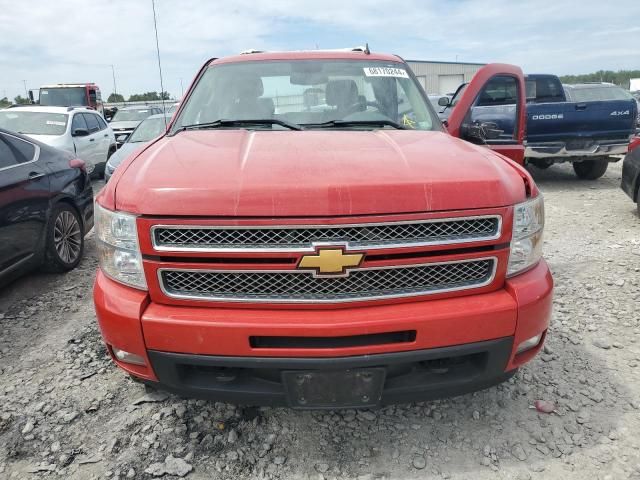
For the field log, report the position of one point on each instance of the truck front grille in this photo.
(302, 238)
(295, 286)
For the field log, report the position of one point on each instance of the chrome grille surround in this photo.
(299, 286)
(304, 238)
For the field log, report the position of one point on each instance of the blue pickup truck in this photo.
(589, 134)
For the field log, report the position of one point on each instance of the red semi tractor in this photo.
(71, 95)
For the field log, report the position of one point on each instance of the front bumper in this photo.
(108, 171)
(560, 150)
(210, 352)
(410, 376)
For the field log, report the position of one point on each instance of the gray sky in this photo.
(51, 41)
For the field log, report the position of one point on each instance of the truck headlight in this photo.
(118, 249)
(526, 241)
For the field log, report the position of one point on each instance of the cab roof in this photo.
(51, 109)
(253, 56)
(69, 85)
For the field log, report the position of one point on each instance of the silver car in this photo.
(126, 119)
(149, 129)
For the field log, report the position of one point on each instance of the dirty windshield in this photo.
(34, 123)
(149, 129)
(309, 94)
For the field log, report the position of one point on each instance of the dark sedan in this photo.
(631, 172)
(46, 207)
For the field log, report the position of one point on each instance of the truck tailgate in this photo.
(579, 123)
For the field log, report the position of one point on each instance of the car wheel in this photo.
(98, 172)
(590, 169)
(64, 241)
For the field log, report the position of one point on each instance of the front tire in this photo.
(64, 243)
(590, 169)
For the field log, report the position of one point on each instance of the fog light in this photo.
(128, 357)
(529, 344)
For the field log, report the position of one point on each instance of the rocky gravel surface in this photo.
(67, 412)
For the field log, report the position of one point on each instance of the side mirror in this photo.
(80, 132)
(444, 101)
(478, 132)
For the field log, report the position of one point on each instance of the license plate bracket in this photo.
(353, 388)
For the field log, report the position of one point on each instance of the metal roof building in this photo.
(443, 77)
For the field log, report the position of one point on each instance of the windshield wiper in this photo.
(357, 123)
(235, 123)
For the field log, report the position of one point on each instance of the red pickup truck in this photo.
(308, 233)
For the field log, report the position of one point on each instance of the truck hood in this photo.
(233, 173)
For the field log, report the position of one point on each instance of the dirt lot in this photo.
(67, 412)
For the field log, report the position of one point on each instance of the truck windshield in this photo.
(34, 123)
(63, 97)
(310, 94)
(131, 115)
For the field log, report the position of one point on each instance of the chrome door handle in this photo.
(92, 139)
(34, 175)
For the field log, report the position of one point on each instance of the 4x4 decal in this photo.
(620, 113)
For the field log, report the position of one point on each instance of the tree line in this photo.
(19, 100)
(621, 77)
(139, 97)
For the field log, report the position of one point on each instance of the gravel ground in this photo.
(67, 412)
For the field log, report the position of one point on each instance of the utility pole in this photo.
(155, 27)
(182, 89)
(113, 72)
(26, 92)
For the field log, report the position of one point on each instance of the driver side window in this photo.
(498, 103)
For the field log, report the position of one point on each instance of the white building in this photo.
(443, 77)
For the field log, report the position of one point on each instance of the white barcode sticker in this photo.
(386, 72)
(53, 122)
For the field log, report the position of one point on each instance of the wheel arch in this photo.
(67, 199)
